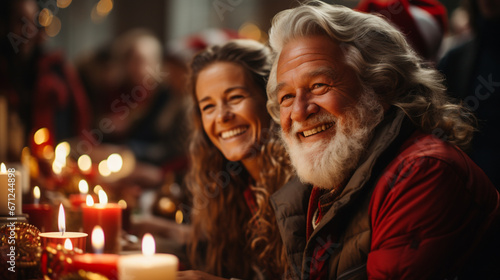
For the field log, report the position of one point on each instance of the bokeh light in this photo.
(250, 31)
(103, 168)
(84, 163)
(115, 162)
(45, 17)
(41, 136)
(63, 3)
(54, 28)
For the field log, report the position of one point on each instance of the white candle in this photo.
(149, 265)
(10, 191)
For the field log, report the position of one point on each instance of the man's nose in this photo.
(303, 107)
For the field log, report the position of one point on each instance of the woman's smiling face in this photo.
(233, 110)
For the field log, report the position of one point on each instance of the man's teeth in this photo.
(233, 132)
(317, 129)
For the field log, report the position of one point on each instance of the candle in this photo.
(149, 265)
(78, 199)
(39, 215)
(53, 238)
(10, 191)
(109, 217)
(104, 264)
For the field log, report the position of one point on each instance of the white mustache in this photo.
(315, 120)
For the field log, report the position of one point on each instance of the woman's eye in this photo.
(235, 97)
(206, 107)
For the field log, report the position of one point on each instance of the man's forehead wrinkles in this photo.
(298, 61)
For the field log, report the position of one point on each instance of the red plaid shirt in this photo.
(320, 201)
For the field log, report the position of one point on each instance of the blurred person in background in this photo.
(423, 22)
(42, 89)
(472, 72)
(237, 162)
(146, 113)
(99, 74)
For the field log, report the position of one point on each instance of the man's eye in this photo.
(285, 97)
(319, 85)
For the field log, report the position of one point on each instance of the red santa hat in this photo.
(422, 21)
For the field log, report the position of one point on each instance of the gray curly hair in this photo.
(383, 61)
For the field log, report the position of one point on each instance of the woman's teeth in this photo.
(233, 132)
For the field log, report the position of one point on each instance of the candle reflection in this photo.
(68, 245)
(98, 240)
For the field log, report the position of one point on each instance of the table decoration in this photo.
(53, 238)
(148, 265)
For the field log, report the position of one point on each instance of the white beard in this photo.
(328, 163)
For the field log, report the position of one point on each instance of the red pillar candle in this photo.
(39, 215)
(79, 199)
(104, 264)
(109, 217)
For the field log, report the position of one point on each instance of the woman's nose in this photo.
(225, 114)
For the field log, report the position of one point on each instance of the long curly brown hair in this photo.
(222, 223)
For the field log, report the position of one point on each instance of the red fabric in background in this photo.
(398, 12)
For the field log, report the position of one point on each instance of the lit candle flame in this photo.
(98, 240)
(148, 245)
(36, 194)
(61, 222)
(103, 198)
(115, 162)
(89, 200)
(68, 245)
(97, 188)
(84, 163)
(83, 186)
(3, 169)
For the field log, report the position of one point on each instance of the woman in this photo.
(237, 163)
